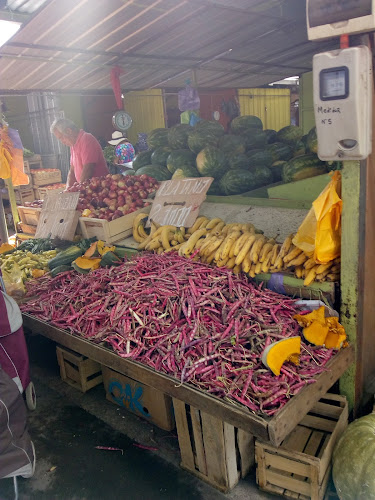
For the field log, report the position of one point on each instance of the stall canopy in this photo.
(71, 45)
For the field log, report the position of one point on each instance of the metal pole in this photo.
(3, 225)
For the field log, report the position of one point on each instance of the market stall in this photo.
(116, 217)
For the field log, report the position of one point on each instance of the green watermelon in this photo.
(178, 136)
(239, 161)
(209, 127)
(303, 167)
(259, 157)
(280, 151)
(232, 145)
(198, 141)
(158, 172)
(255, 139)
(238, 181)
(263, 176)
(271, 135)
(304, 140)
(312, 141)
(215, 189)
(289, 134)
(160, 156)
(299, 148)
(243, 124)
(277, 170)
(157, 138)
(180, 158)
(185, 171)
(211, 162)
(142, 159)
(130, 172)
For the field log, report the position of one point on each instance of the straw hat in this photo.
(117, 137)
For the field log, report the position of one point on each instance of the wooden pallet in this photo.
(211, 449)
(78, 371)
(300, 468)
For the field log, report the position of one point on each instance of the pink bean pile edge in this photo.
(200, 324)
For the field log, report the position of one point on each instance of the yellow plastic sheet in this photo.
(11, 160)
(319, 235)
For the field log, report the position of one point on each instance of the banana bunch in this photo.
(236, 246)
(311, 271)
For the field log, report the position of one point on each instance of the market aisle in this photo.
(67, 426)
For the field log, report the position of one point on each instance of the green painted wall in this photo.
(71, 105)
(306, 106)
(17, 116)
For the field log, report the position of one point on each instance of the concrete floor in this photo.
(67, 426)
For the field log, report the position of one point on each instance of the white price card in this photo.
(177, 201)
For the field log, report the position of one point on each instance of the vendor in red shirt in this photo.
(86, 155)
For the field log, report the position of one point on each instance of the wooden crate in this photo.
(43, 178)
(300, 467)
(150, 404)
(41, 192)
(28, 229)
(110, 231)
(78, 371)
(29, 215)
(211, 449)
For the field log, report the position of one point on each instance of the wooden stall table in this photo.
(272, 430)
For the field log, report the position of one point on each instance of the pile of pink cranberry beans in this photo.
(199, 324)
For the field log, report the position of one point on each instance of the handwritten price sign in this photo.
(177, 202)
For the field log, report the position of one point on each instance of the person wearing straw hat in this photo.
(124, 152)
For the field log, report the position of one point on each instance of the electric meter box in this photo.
(328, 19)
(342, 82)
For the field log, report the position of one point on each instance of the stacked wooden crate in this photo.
(41, 181)
(44, 180)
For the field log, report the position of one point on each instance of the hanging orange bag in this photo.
(319, 235)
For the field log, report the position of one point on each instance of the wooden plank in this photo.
(286, 419)
(233, 473)
(198, 440)
(60, 360)
(326, 455)
(287, 464)
(246, 448)
(314, 443)
(326, 410)
(288, 483)
(214, 445)
(260, 457)
(183, 434)
(297, 439)
(273, 430)
(351, 282)
(318, 423)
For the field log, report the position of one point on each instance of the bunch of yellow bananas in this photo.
(237, 246)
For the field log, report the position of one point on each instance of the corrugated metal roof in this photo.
(71, 45)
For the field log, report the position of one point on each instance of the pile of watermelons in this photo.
(244, 159)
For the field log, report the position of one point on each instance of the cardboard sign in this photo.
(177, 201)
(59, 217)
